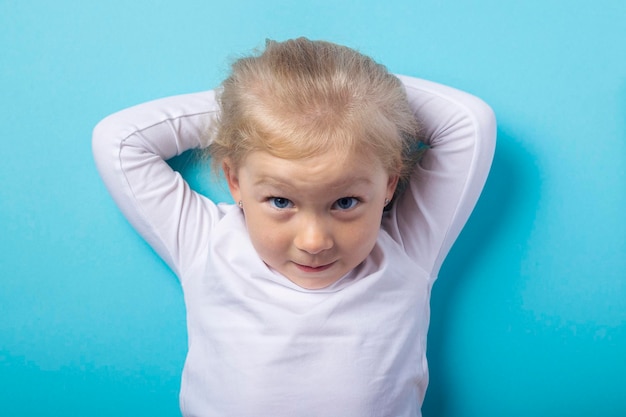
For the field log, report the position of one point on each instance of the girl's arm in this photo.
(130, 149)
(460, 131)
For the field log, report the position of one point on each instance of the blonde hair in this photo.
(301, 98)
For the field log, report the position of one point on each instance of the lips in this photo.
(313, 269)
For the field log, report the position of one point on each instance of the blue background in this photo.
(529, 314)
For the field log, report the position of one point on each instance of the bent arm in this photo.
(130, 149)
(460, 132)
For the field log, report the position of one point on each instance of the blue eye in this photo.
(280, 202)
(346, 203)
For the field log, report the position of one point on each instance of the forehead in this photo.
(325, 171)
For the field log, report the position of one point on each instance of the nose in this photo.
(313, 236)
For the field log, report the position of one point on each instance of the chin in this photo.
(313, 283)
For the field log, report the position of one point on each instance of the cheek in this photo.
(267, 239)
(359, 238)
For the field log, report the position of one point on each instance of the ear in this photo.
(232, 178)
(392, 184)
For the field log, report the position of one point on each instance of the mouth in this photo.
(313, 269)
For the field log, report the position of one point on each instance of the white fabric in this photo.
(259, 345)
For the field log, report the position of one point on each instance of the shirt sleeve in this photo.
(130, 149)
(459, 131)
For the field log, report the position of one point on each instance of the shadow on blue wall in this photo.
(194, 167)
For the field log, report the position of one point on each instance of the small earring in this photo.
(240, 204)
(387, 201)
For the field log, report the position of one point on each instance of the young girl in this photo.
(310, 295)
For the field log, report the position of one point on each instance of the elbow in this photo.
(486, 123)
(106, 141)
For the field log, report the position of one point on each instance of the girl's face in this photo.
(312, 220)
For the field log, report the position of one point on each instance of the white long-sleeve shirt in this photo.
(259, 345)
